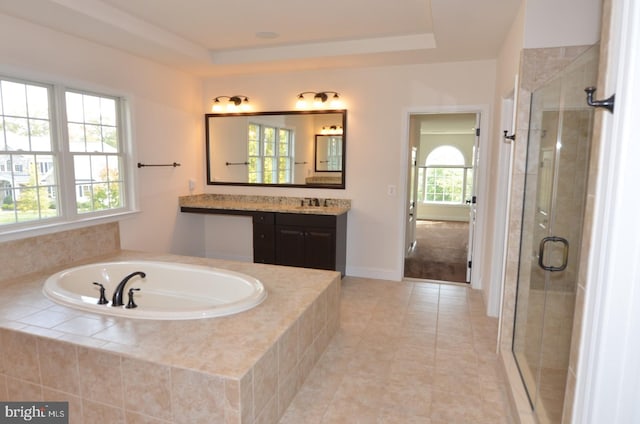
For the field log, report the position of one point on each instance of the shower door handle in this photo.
(565, 253)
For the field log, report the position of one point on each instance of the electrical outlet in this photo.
(192, 184)
(391, 190)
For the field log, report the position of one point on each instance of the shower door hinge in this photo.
(477, 132)
(469, 264)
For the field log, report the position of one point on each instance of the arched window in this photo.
(445, 155)
(444, 178)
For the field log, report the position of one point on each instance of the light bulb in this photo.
(335, 102)
(301, 103)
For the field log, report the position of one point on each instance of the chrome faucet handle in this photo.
(131, 304)
(103, 299)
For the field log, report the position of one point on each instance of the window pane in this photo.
(91, 107)
(74, 107)
(99, 168)
(17, 133)
(94, 138)
(40, 135)
(76, 138)
(108, 112)
(82, 169)
(113, 164)
(38, 102)
(254, 148)
(14, 98)
(100, 197)
(110, 139)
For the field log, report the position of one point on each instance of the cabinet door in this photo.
(290, 246)
(320, 248)
(264, 238)
(263, 244)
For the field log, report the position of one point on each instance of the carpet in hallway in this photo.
(440, 252)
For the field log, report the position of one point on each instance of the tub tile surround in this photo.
(244, 368)
(36, 254)
(264, 203)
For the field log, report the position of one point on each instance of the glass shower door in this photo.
(554, 200)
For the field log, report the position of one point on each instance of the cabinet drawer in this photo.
(306, 220)
(263, 218)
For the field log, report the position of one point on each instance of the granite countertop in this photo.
(225, 346)
(265, 204)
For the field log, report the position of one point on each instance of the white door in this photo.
(413, 195)
(472, 201)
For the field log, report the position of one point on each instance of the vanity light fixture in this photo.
(319, 99)
(331, 130)
(234, 103)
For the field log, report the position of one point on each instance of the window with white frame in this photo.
(270, 154)
(444, 178)
(36, 138)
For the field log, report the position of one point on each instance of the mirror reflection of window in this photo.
(270, 154)
(328, 153)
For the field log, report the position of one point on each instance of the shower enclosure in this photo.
(554, 201)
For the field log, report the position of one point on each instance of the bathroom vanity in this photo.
(286, 230)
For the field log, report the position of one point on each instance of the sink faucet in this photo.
(117, 294)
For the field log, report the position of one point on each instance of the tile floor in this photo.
(409, 352)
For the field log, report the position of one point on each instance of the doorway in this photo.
(441, 196)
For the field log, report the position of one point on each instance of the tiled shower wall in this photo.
(37, 254)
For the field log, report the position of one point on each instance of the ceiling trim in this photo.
(325, 49)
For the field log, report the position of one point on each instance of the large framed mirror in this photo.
(280, 149)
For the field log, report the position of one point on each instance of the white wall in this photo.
(166, 115)
(507, 68)
(378, 101)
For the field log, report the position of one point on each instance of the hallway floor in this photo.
(409, 352)
(440, 252)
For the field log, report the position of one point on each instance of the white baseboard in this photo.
(375, 273)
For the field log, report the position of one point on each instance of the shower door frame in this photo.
(544, 230)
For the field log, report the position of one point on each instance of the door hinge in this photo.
(477, 132)
(469, 264)
(474, 200)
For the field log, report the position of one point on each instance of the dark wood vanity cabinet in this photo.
(294, 239)
(264, 238)
(311, 241)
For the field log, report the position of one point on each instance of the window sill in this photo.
(55, 227)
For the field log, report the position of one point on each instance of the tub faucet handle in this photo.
(131, 304)
(103, 299)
